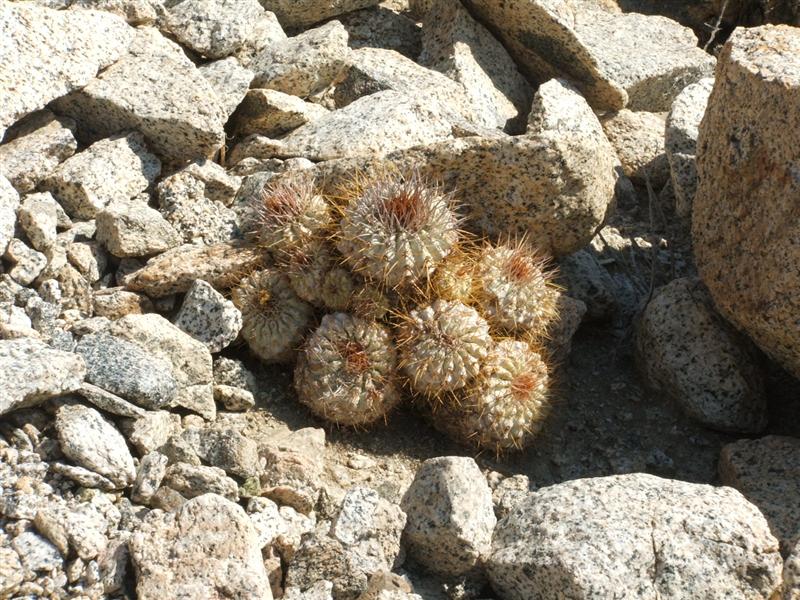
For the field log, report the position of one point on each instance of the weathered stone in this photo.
(616, 59)
(84, 477)
(305, 64)
(156, 90)
(131, 228)
(89, 258)
(90, 440)
(33, 372)
(266, 32)
(450, 516)
(123, 368)
(151, 472)
(36, 553)
(382, 27)
(11, 574)
(219, 186)
(321, 590)
(233, 398)
(117, 168)
(225, 448)
(152, 430)
(302, 13)
(208, 317)
(680, 141)
(699, 360)
(767, 472)
(39, 143)
(638, 138)
(234, 385)
(323, 558)
(294, 464)
(9, 203)
(28, 263)
(652, 537)
(115, 303)
(589, 281)
(108, 402)
(273, 113)
(38, 217)
(221, 265)
(230, 80)
(461, 48)
(194, 480)
(746, 235)
(791, 575)
(212, 28)
(207, 548)
(49, 53)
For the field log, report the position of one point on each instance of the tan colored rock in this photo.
(272, 113)
(745, 228)
(638, 138)
(302, 13)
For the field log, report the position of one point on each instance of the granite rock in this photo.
(116, 168)
(382, 26)
(589, 281)
(38, 217)
(273, 113)
(302, 13)
(195, 480)
(156, 90)
(208, 317)
(293, 468)
(266, 32)
(130, 228)
(115, 303)
(450, 516)
(108, 402)
(9, 204)
(149, 476)
(791, 575)
(34, 147)
(230, 81)
(33, 372)
(322, 558)
(90, 440)
(652, 537)
(638, 138)
(152, 430)
(28, 263)
(687, 350)
(226, 448)
(207, 548)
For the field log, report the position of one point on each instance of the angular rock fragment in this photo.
(208, 317)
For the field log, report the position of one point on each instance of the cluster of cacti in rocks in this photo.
(380, 295)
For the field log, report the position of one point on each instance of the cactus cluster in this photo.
(378, 295)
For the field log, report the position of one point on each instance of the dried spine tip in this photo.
(506, 405)
(442, 346)
(289, 214)
(398, 229)
(274, 319)
(346, 371)
(515, 288)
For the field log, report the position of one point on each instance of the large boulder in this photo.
(653, 538)
(615, 59)
(302, 13)
(745, 226)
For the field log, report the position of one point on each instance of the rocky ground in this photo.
(149, 450)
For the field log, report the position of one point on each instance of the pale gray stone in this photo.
(562, 329)
(207, 548)
(208, 317)
(589, 281)
(135, 12)
(11, 574)
(84, 477)
(450, 516)
(194, 480)
(302, 13)
(233, 398)
(616, 59)
(382, 27)
(39, 144)
(9, 203)
(152, 430)
(117, 168)
(90, 440)
(273, 113)
(322, 558)
(220, 186)
(305, 64)
(49, 53)
(124, 368)
(28, 263)
(152, 469)
(156, 90)
(266, 32)
(108, 402)
(652, 537)
(293, 468)
(36, 553)
(225, 448)
(687, 350)
(33, 372)
(212, 28)
(791, 575)
(680, 141)
(38, 217)
(229, 79)
(131, 228)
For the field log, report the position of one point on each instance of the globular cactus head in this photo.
(371, 303)
(455, 277)
(505, 406)
(274, 318)
(397, 229)
(306, 268)
(515, 288)
(289, 214)
(346, 371)
(442, 346)
(338, 287)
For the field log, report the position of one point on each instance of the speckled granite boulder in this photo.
(293, 467)
(90, 440)
(767, 472)
(454, 44)
(652, 537)
(9, 203)
(131, 228)
(745, 230)
(123, 368)
(226, 449)
(117, 168)
(450, 516)
(176, 270)
(374, 125)
(305, 64)
(39, 218)
(389, 27)
(322, 558)
(680, 141)
(34, 147)
(638, 138)
(791, 575)
(266, 32)
(108, 402)
(687, 350)
(156, 90)
(616, 59)
(195, 480)
(49, 53)
(32, 372)
(205, 549)
(212, 28)
(230, 81)
(589, 281)
(234, 384)
(208, 317)
(28, 263)
(272, 113)
(152, 430)
(302, 13)
(149, 476)
(135, 12)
